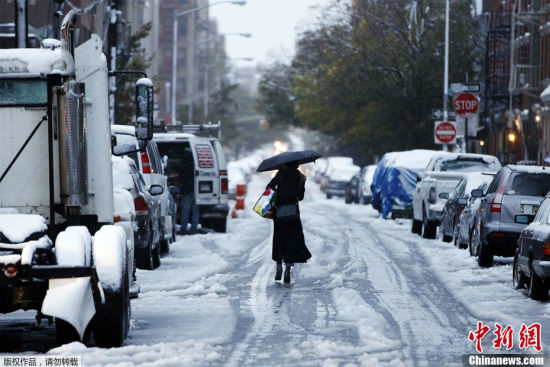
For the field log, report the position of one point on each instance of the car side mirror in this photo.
(444, 195)
(462, 201)
(156, 190)
(524, 218)
(418, 178)
(477, 193)
(144, 109)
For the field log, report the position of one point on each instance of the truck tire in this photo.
(112, 319)
(537, 289)
(219, 225)
(65, 333)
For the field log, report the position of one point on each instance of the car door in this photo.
(531, 236)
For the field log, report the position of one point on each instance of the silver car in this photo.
(515, 190)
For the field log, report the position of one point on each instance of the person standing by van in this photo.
(189, 208)
(288, 236)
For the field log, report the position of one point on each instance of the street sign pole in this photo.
(466, 135)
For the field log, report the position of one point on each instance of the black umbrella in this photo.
(275, 162)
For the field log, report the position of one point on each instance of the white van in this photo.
(211, 185)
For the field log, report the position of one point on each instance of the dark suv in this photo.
(515, 190)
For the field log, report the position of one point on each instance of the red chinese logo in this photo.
(479, 334)
(529, 336)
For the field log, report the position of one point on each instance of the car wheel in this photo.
(429, 228)
(156, 256)
(518, 279)
(470, 244)
(416, 226)
(537, 289)
(144, 257)
(348, 199)
(484, 256)
(458, 238)
(329, 196)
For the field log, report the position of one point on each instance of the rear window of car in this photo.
(466, 165)
(529, 184)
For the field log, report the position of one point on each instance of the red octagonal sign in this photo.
(444, 132)
(466, 104)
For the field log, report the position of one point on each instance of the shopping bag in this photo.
(263, 205)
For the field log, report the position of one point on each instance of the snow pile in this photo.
(10, 259)
(17, 227)
(70, 248)
(123, 204)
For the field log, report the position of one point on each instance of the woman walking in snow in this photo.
(288, 237)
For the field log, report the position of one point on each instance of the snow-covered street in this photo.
(373, 294)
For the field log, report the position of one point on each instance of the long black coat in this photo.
(288, 236)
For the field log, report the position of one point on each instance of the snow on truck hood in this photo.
(17, 227)
(30, 61)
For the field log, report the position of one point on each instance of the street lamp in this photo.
(175, 45)
(245, 35)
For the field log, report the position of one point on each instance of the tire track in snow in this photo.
(418, 302)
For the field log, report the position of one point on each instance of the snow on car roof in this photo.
(529, 169)
(171, 136)
(34, 61)
(415, 159)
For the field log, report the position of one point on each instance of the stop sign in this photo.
(466, 104)
(444, 132)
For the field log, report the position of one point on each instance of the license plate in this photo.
(529, 209)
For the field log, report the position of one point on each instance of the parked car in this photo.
(211, 183)
(531, 268)
(468, 217)
(337, 178)
(332, 164)
(358, 188)
(147, 232)
(394, 181)
(442, 174)
(457, 200)
(150, 164)
(515, 190)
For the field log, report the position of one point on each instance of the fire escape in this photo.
(525, 83)
(497, 74)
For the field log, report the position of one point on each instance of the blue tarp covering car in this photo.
(395, 180)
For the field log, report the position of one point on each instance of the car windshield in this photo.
(466, 165)
(529, 184)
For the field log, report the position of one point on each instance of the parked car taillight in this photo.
(140, 205)
(225, 185)
(145, 163)
(546, 248)
(10, 271)
(431, 196)
(496, 203)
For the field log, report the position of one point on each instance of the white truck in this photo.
(210, 181)
(443, 173)
(60, 250)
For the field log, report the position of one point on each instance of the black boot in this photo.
(279, 272)
(287, 274)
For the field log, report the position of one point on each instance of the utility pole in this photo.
(21, 24)
(446, 72)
